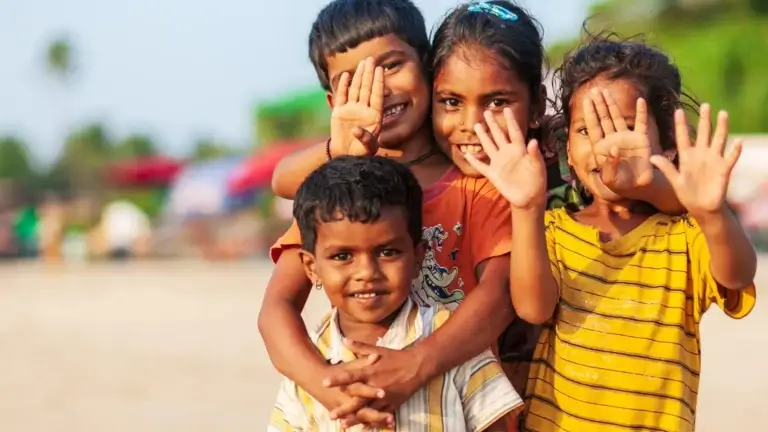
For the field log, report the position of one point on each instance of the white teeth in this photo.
(365, 295)
(471, 148)
(394, 110)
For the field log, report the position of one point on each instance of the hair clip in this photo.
(494, 10)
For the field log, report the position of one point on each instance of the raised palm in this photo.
(357, 111)
(701, 180)
(517, 170)
(623, 152)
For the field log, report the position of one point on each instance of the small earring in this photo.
(535, 124)
(318, 285)
(462, 123)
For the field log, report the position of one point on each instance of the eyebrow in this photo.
(378, 60)
(489, 95)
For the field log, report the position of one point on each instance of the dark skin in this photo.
(398, 373)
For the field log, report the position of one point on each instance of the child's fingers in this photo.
(704, 131)
(498, 135)
(682, 136)
(357, 81)
(533, 151)
(366, 85)
(666, 167)
(486, 141)
(720, 137)
(377, 92)
(606, 122)
(641, 116)
(733, 156)
(369, 140)
(376, 419)
(615, 112)
(592, 122)
(348, 408)
(481, 167)
(342, 90)
(364, 391)
(513, 129)
(610, 167)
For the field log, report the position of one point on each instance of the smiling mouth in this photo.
(392, 113)
(470, 148)
(368, 294)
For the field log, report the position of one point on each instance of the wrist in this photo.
(426, 367)
(534, 211)
(707, 218)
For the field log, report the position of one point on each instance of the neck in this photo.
(366, 332)
(624, 209)
(420, 143)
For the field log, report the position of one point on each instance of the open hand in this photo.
(517, 170)
(396, 372)
(701, 180)
(357, 111)
(625, 152)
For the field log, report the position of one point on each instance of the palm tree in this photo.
(59, 65)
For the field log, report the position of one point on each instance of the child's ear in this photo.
(329, 99)
(309, 266)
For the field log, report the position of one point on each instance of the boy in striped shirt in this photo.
(360, 223)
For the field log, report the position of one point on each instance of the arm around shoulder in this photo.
(296, 167)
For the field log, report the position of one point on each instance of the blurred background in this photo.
(146, 132)
(149, 129)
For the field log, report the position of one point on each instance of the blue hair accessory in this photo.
(494, 10)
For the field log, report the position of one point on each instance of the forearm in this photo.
(533, 287)
(474, 327)
(291, 171)
(661, 195)
(734, 261)
(282, 328)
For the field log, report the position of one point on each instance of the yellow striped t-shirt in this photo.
(623, 351)
(469, 398)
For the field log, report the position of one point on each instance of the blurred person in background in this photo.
(26, 231)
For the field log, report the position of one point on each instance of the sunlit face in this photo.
(406, 91)
(581, 158)
(471, 81)
(365, 268)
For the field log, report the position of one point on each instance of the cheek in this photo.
(443, 125)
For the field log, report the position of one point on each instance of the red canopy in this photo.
(256, 172)
(155, 170)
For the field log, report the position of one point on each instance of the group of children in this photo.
(460, 303)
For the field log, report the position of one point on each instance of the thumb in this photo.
(666, 167)
(481, 167)
(369, 140)
(362, 348)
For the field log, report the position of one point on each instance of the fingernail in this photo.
(327, 382)
(381, 394)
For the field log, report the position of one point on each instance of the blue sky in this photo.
(174, 69)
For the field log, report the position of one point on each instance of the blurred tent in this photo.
(256, 172)
(297, 115)
(202, 190)
(147, 171)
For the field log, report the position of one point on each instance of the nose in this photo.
(367, 268)
(469, 117)
(387, 90)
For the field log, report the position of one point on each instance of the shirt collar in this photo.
(406, 329)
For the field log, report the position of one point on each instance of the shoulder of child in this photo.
(290, 239)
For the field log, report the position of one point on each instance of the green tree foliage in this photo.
(719, 46)
(135, 146)
(15, 162)
(208, 149)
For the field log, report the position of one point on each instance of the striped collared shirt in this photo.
(470, 397)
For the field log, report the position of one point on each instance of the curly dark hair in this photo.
(609, 56)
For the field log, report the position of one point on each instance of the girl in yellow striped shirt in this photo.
(621, 287)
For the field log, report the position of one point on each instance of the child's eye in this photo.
(388, 253)
(391, 65)
(344, 256)
(497, 103)
(450, 102)
(582, 131)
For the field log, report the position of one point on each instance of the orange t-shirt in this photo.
(466, 221)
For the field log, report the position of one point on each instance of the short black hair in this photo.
(356, 188)
(344, 24)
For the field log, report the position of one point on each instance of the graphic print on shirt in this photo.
(432, 285)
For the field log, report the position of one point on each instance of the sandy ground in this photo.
(174, 347)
